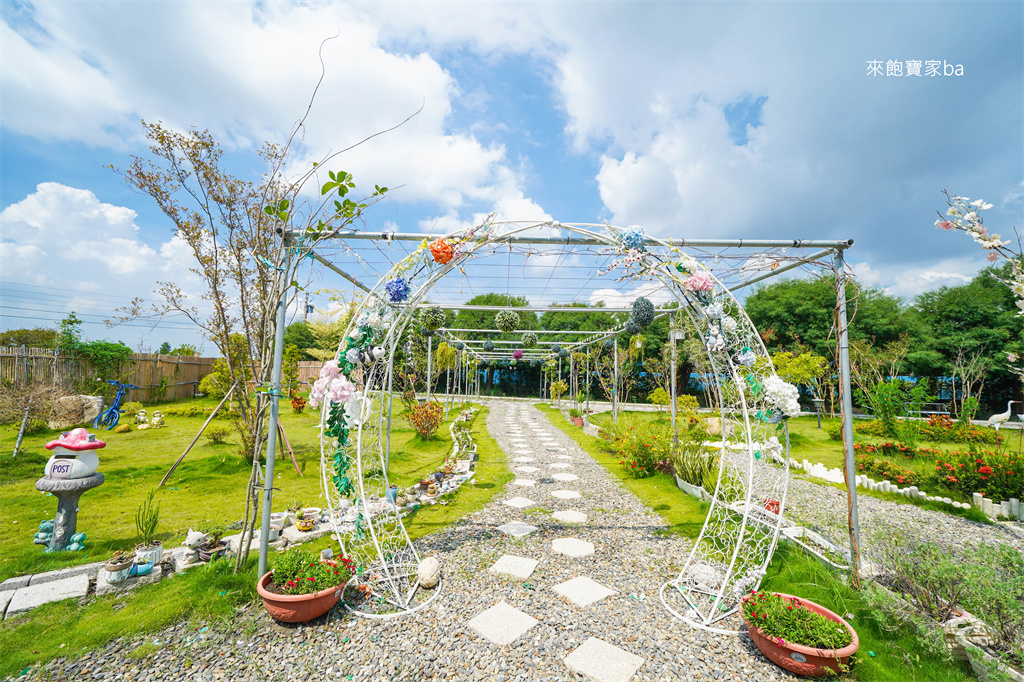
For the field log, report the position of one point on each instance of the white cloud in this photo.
(656, 292)
(909, 281)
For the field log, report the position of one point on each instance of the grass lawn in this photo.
(684, 514)
(210, 593)
(898, 654)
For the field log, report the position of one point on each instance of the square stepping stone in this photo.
(517, 529)
(520, 502)
(600, 661)
(565, 477)
(572, 547)
(502, 624)
(566, 494)
(569, 516)
(524, 459)
(561, 465)
(582, 591)
(515, 566)
(524, 482)
(527, 470)
(28, 598)
(562, 457)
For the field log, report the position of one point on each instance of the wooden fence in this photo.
(180, 374)
(309, 371)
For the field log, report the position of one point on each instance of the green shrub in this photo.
(866, 464)
(834, 429)
(426, 418)
(217, 433)
(693, 461)
(36, 426)
(997, 475)
(299, 571)
(131, 407)
(659, 397)
(639, 445)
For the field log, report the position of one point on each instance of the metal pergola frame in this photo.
(836, 248)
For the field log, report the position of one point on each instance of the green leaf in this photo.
(283, 205)
(269, 210)
(328, 186)
(331, 175)
(283, 216)
(342, 190)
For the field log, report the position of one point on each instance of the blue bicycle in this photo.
(107, 419)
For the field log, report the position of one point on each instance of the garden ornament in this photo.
(429, 572)
(998, 420)
(158, 420)
(141, 418)
(371, 355)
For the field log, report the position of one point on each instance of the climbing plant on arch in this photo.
(743, 523)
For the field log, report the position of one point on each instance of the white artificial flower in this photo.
(714, 311)
(782, 395)
(729, 324)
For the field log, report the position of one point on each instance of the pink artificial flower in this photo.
(944, 225)
(699, 281)
(993, 257)
(330, 369)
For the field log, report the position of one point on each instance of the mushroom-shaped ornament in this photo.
(74, 455)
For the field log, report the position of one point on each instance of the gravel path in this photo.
(823, 508)
(437, 644)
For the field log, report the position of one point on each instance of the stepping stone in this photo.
(600, 661)
(524, 459)
(562, 457)
(565, 477)
(583, 591)
(5, 599)
(502, 624)
(524, 482)
(572, 547)
(527, 470)
(566, 494)
(560, 465)
(520, 502)
(569, 516)
(523, 451)
(517, 529)
(515, 566)
(28, 598)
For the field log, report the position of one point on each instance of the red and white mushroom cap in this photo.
(77, 441)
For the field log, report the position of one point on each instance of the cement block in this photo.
(103, 587)
(600, 661)
(14, 583)
(524, 482)
(520, 502)
(561, 465)
(527, 469)
(517, 529)
(89, 570)
(572, 547)
(5, 599)
(524, 460)
(565, 478)
(582, 591)
(28, 598)
(515, 566)
(987, 506)
(502, 624)
(566, 494)
(570, 516)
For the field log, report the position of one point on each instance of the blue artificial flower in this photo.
(633, 237)
(397, 290)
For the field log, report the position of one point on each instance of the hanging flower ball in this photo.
(609, 344)
(427, 333)
(432, 318)
(643, 312)
(397, 290)
(563, 353)
(488, 345)
(529, 340)
(633, 237)
(506, 320)
(556, 348)
(459, 345)
(699, 281)
(518, 354)
(632, 328)
(442, 250)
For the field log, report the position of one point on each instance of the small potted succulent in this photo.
(798, 635)
(119, 565)
(302, 587)
(576, 416)
(213, 547)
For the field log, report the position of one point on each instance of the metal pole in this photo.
(615, 382)
(275, 409)
(587, 412)
(847, 415)
(430, 348)
(675, 425)
(391, 400)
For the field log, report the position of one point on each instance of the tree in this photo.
(327, 332)
(290, 369)
(185, 349)
(798, 315)
(165, 348)
(37, 337)
(298, 334)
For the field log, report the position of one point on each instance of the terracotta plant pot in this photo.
(804, 660)
(297, 608)
(578, 421)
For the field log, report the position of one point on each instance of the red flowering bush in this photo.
(885, 470)
(788, 621)
(890, 449)
(299, 571)
(298, 403)
(997, 475)
(642, 448)
(426, 418)
(938, 429)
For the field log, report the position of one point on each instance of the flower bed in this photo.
(998, 476)
(890, 449)
(938, 429)
(866, 464)
(641, 448)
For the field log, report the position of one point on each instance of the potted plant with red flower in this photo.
(302, 587)
(798, 635)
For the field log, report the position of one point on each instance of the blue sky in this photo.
(691, 119)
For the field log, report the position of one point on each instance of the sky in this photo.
(696, 120)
